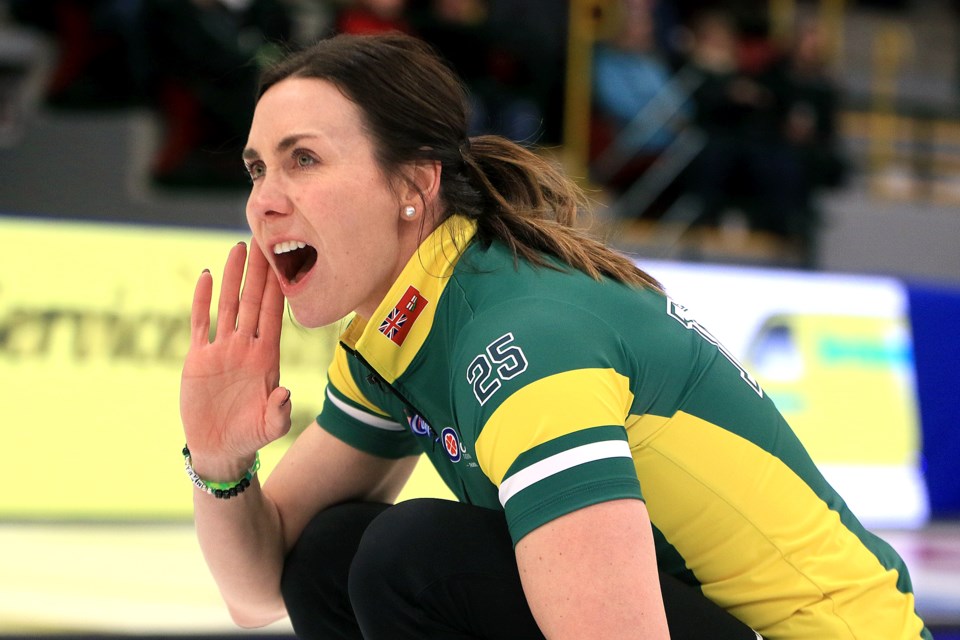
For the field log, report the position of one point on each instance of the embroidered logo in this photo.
(418, 425)
(451, 443)
(398, 322)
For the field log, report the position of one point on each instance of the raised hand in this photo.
(231, 403)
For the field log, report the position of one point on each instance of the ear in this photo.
(422, 185)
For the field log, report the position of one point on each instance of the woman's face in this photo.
(320, 208)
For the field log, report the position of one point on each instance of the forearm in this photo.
(242, 543)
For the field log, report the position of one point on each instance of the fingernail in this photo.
(206, 271)
(285, 400)
(242, 243)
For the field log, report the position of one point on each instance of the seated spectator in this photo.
(203, 69)
(632, 101)
(746, 163)
(528, 65)
(93, 68)
(459, 31)
(503, 81)
(757, 51)
(192, 61)
(811, 99)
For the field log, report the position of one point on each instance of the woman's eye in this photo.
(304, 160)
(255, 170)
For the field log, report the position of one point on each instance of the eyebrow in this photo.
(252, 154)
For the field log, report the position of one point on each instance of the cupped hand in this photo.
(231, 403)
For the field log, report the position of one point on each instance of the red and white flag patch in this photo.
(398, 322)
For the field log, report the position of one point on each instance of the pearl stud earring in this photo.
(409, 211)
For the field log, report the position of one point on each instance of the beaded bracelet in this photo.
(222, 490)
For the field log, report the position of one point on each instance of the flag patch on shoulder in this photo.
(400, 319)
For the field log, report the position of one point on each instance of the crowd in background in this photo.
(766, 107)
(196, 62)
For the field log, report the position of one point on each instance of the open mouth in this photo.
(294, 259)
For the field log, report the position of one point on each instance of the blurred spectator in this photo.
(746, 163)
(193, 61)
(202, 76)
(368, 17)
(811, 100)
(460, 32)
(632, 101)
(528, 62)
(757, 53)
(93, 67)
(668, 31)
(503, 89)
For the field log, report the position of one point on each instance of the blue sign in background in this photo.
(935, 322)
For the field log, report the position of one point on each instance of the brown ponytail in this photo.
(532, 207)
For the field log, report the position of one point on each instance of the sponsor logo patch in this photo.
(451, 443)
(418, 425)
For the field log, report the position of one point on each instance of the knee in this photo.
(387, 557)
(393, 536)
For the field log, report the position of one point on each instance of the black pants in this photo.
(436, 569)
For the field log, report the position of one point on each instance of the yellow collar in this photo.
(400, 325)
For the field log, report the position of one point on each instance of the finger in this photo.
(277, 414)
(200, 311)
(271, 310)
(250, 299)
(230, 289)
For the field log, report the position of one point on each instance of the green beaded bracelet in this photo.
(222, 490)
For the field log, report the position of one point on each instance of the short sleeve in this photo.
(550, 402)
(351, 415)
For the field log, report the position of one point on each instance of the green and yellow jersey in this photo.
(540, 392)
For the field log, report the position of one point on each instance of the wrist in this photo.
(237, 484)
(217, 467)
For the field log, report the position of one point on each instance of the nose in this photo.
(268, 198)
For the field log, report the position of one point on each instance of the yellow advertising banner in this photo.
(94, 325)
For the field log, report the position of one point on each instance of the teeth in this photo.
(286, 247)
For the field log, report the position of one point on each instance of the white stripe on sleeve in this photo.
(363, 416)
(561, 462)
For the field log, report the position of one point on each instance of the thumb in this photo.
(277, 413)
